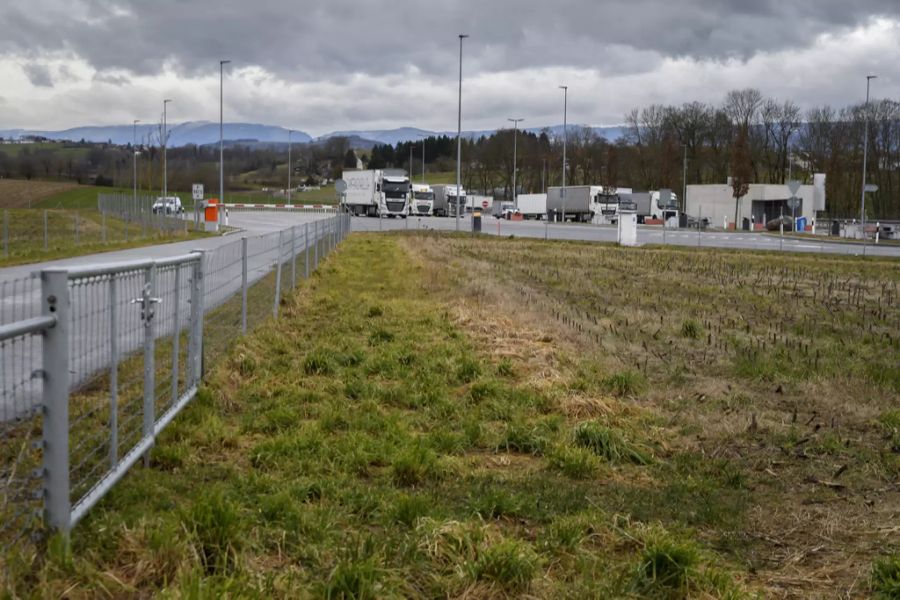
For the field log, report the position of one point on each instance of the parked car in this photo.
(169, 206)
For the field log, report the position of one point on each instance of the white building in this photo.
(762, 203)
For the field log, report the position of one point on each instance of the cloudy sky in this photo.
(366, 64)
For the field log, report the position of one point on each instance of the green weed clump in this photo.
(318, 362)
(576, 462)
(609, 443)
(216, 525)
(666, 568)
(691, 329)
(510, 563)
(886, 578)
(625, 383)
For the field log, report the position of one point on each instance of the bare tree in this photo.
(741, 170)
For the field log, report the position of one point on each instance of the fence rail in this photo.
(96, 361)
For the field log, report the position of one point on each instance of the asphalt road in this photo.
(646, 235)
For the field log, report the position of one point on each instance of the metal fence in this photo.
(96, 361)
(139, 212)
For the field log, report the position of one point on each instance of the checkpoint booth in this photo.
(211, 215)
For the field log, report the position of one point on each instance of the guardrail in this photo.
(96, 361)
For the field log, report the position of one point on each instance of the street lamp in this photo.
(862, 210)
(423, 136)
(222, 64)
(134, 155)
(462, 36)
(565, 90)
(290, 166)
(515, 123)
(165, 145)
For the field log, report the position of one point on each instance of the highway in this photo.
(646, 235)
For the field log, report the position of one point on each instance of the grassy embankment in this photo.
(559, 420)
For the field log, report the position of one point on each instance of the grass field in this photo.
(447, 416)
(19, 193)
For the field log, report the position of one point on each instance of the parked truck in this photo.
(376, 193)
(582, 202)
(445, 197)
(422, 203)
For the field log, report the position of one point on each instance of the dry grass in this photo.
(821, 482)
(19, 193)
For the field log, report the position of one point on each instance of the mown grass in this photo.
(368, 446)
(77, 233)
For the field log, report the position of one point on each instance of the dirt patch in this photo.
(18, 193)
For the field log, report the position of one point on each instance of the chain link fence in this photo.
(96, 361)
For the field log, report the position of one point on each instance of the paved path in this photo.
(646, 235)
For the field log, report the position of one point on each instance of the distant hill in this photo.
(412, 134)
(180, 134)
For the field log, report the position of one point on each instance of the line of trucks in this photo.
(390, 193)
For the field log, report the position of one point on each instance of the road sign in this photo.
(794, 187)
(340, 186)
(197, 190)
(484, 204)
(793, 203)
(871, 187)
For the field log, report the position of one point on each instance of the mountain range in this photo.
(205, 132)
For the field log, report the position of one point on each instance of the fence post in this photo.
(5, 233)
(316, 249)
(306, 250)
(278, 275)
(147, 300)
(195, 345)
(56, 303)
(176, 332)
(244, 285)
(293, 256)
(46, 233)
(113, 371)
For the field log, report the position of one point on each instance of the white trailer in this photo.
(445, 199)
(533, 206)
(581, 202)
(422, 203)
(361, 198)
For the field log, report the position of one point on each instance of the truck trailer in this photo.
(445, 197)
(581, 202)
(533, 206)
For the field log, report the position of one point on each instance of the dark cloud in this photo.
(39, 75)
(324, 40)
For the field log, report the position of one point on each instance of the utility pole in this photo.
(515, 123)
(862, 209)
(290, 166)
(684, 184)
(565, 90)
(462, 36)
(165, 145)
(222, 64)
(134, 154)
(423, 156)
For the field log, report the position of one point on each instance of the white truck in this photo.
(533, 206)
(445, 197)
(422, 203)
(170, 205)
(581, 202)
(376, 193)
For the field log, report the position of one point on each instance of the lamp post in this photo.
(684, 184)
(462, 36)
(134, 154)
(862, 209)
(423, 136)
(222, 64)
(290, 166)
(165, 145)
(565, 90)
(515, 123)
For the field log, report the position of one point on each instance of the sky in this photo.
(321, 66)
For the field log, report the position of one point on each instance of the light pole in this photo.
(134, 154)
(165, 143)
(290, 166)
(515, 123)
(862, 209)
(684, 184)
(423, 136)
(222, 64)
(565, 90)
(462, 36)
